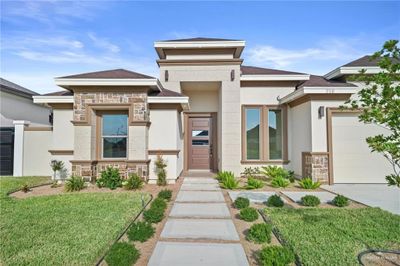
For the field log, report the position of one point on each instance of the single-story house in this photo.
(207, 111)
(16, 107)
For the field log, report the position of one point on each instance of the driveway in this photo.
(374, 195)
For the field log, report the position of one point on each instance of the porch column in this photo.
(19, 126)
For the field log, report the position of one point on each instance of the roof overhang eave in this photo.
(67, 83)
(274, 77)
(316, 90)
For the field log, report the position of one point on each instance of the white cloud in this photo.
(319, 58)
(22, 40)
(104, 43)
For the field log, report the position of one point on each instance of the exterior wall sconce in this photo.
(166, 75)
(321, 112)
(232, 75)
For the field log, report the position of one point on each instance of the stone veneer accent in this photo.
(315, 165)
(137, 99)
(91, 170)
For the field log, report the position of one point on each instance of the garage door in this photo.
(353, 161)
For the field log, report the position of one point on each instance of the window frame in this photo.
(101, 136)
(264, 134)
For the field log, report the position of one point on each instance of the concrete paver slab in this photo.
(253, 196)
(200, 210)
(324, 197)
(217, 229)
(200, 180)
(200, 187)
(198, 254)
(374, 195)
(200, 196)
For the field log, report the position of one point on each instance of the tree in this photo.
(379, 102)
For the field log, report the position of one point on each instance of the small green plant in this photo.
(165, 194)
(158, 203)
(340, 201)
(253, 183)
(110, 178)
(56, 166)
(260, 233)
(279, 182)
(55, 184)
(275, 201)
(229, 181)
(248, 214)
(241, 203)
(140, 231)
(160, 170)
(25, 188)
(307, 183)
(153, 215)
(251, 171)
(122, 254)
(291, 176)
(221, 176)
(133, 182)
(275, 256)
(310, 201)
(273, 171)
(75, 183)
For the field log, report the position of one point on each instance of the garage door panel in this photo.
(353, 161)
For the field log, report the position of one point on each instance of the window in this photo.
(114, 135)
(253, 133)
(263, 128)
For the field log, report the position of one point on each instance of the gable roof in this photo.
(59, 93)
(16, 89)
(200, 39)
(110, 74)
(252, 70)
(365, 61)
(319, 81)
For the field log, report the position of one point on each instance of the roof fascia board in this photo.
(274, 77)
(53, 99)
(172, 99)
(317, 90)
(201, 44)
(106, 82)
(340, 71)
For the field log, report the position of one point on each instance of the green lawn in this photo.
(336, 236)
(68, 229)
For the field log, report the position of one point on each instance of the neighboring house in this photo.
(207, 111)
(16, 106)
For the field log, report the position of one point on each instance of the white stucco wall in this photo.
(63, 130)
(13, 107)
(203, 101)
(299, 133)
(263, 95)
(36, 154)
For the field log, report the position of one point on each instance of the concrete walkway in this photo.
(199, 229)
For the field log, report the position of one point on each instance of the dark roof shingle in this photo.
(166, 93)
(365, 61)
(199, 39)
(59, 93)
(251, 70)
(318, 81)
(111, 74)
(16, 89)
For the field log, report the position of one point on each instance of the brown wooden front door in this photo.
(200, 143)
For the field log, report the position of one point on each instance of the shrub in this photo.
(160, 171)
(133, 182)
(250, 171)
(55, 184)
(276, 255)
(110, 178)
(340, 201)
(307, 183)
(275, 201)
(25, 188)
(56, 166)
(260, 233)
(310, 200)
(253, 183)
(153, 215)
(75, 183)
(158, 203)
(279, 182)
(291, 176)
(140, 231)
(122, 254)
(165, 194)
(241, 203)
(248, 214)
(221, 176)
(275, 171)
(229, 181)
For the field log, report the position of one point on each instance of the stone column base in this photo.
(315, 165)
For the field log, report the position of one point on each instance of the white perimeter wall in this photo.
(36, 156)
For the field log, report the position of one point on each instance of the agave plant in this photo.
(253, 183)
(279, 181)
(227, 180)
(275, 171)
(307, 183)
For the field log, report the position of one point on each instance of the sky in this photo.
(41, 40)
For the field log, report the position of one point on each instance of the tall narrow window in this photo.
(253, 133)
(115, 135)
(275, 134)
